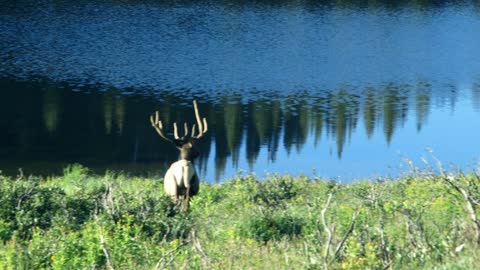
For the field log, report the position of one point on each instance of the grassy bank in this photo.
(84, 221)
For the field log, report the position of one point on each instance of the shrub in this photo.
(26, 204)
(270, 225)
(276, 190)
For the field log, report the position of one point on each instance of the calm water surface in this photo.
(342, 90)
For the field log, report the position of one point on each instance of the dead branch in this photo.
(161, 265)
(383, 244)
(206, 261)
(103, 243)
(470, 203)
(345, 236)
(328, 241)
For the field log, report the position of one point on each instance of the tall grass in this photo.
(86, 221)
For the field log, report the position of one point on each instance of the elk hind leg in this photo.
(186, 203)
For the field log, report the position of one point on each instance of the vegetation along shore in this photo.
(86, 221)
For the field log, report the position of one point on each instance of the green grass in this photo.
(86, 221)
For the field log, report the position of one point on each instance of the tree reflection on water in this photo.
(49, 122)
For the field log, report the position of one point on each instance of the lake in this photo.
(345, 90)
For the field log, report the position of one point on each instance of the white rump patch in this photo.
(182, 171)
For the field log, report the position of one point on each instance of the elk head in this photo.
(186, 143)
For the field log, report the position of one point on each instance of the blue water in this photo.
(345, 91)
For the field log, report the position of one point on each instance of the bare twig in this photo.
(470, 203)
(206, 261)
(383, 244)
(107, 199)
(26, 195)
(387, 266)
(345, 236)
(328, 241)
(20, 174)
(103, 243)
(185, 263)
(409, 224)
(161, 265)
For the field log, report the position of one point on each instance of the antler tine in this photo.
(197, 116)
(185, 132)
(185, 126)
(157, 124)
(205, 125)
(201, 122)
(193, 130)
(202, 127)
(175, 131)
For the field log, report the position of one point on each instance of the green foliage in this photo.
(269, 225)
(276, 190)
(75, 174)
(26, 204)
(85, 221)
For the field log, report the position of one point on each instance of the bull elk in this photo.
(181, 180)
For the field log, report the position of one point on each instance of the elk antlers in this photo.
(202, 126)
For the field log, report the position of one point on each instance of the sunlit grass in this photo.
(84, 221)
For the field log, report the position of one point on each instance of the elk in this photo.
(181, 180)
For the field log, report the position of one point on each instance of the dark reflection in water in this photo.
(345, 88)
(46, 125)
